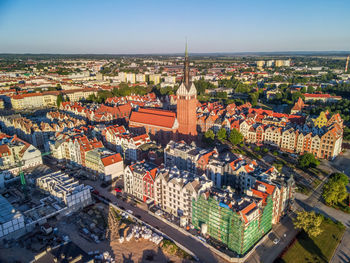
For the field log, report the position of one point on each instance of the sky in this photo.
(150, 26)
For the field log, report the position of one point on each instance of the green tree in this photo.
(59, 100)
(310, 222)
(334, 191)
(310, 89)
(308, 160)
(235, 137)
(222, 135)
(209, 136)
(340, 177)
(254, 98)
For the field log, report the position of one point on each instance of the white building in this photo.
(66, 189)
(11, 221)
(175, 189)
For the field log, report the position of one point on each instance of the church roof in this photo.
(154, 117)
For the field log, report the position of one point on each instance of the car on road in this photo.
(129, 211)
(201, 239)
(122, 207)
(276, 240)
(138, 216)
(118, 190)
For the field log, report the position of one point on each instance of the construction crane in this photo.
(347, 64)
(21, 173)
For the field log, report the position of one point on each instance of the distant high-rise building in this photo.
(260, 63)
(282, 63)
(270, 63)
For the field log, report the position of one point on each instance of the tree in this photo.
(334, 191)
(340, 177)
(235, 137)
(308, 160)
(222, 134)
(254, 98)
(310, 89)
(59, 100)
(209, 136)
(310, 222)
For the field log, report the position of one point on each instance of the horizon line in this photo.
(181, 53)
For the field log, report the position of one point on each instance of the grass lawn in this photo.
(315, 249)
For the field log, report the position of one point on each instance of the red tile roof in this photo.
(154, 117)
(112, 159)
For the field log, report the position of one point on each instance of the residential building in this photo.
(175, 189)
(139, 180)
(66, 189)
(236, 221)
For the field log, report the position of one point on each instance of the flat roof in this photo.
(7, 211)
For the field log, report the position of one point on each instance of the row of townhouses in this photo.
(80, 151)
(321, 135)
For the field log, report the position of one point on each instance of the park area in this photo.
(315, 249)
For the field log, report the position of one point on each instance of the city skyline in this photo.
(156, 27)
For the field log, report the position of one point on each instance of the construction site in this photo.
(51, 215)
(231, 221)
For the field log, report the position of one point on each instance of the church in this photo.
(163, 125)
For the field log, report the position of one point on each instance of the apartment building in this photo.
(182, 155)
(15, 153)
(236, 221)
(65, 189)
(175, 189)
(139, 180)
(48, 99)
(105, 164)
(127, 144)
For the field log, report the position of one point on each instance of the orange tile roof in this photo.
(246, 210)
(4, 149)
(112, 159)
(154, 117)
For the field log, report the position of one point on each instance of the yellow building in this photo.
(27, 101)
(260, 63)
(155, 78)
(321, 120)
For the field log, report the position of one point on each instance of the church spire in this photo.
(186, 69)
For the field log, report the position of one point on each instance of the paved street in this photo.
(202, 252)
(267, 252)
(342, 253)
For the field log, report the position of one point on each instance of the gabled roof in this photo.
(154, 117)
(112, 159)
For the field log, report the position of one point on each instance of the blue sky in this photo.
(150, 26)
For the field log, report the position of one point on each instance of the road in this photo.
(267, 252)
(202, 252)
(342, 253)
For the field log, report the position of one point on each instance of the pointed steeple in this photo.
(186, 69)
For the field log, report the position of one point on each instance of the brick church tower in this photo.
(187, 105)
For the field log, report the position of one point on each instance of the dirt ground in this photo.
(141, 251)
(128, 252)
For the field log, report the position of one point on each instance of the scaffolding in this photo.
(228, 226)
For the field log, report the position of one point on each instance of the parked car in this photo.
(118, 189)
(129, 211)
(276, 241)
